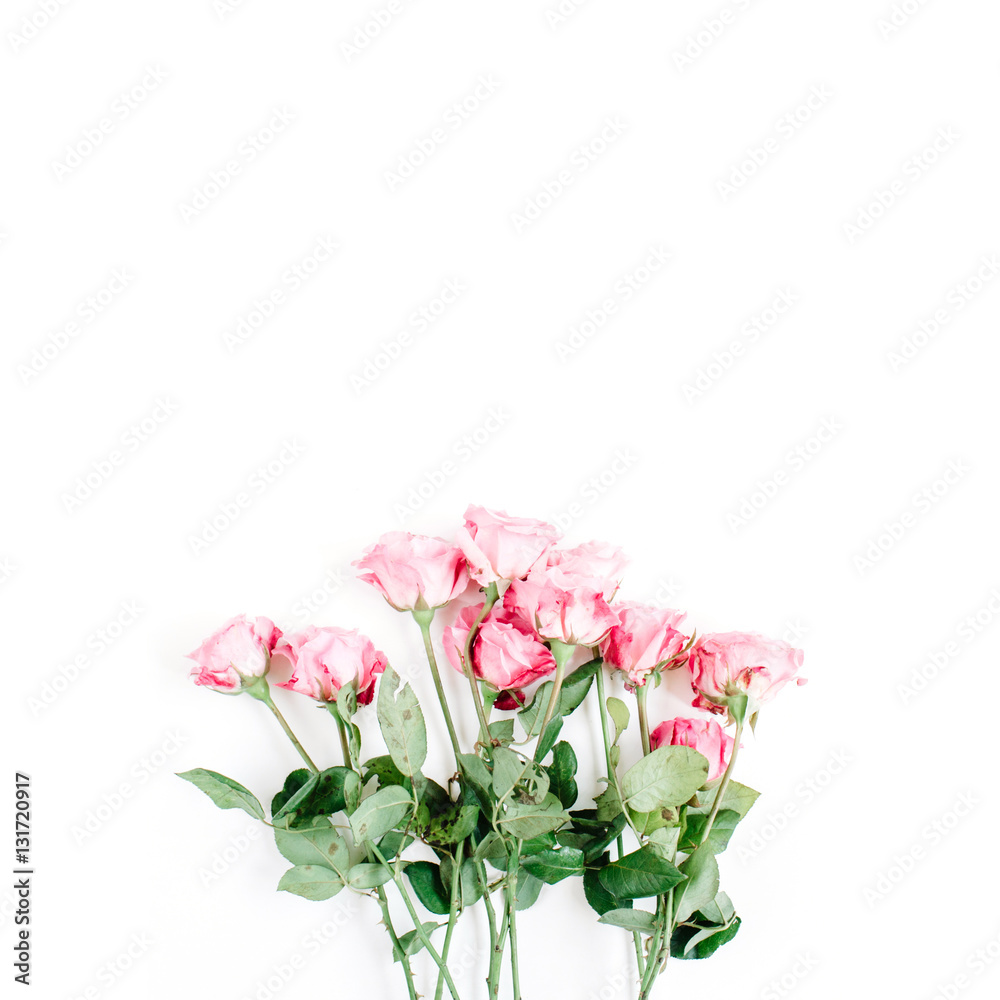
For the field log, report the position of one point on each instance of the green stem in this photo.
(515, 860)
(424, 619)
(397, 948)
(561, 652)
(484, 726)
(417, 925)
(641, 694)
(260, 690)
(724, 784)
(456, 884)
(345, 744)
(613, 779)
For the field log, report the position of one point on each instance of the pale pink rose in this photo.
(414, 571)
(506, 654)
(704, 735)
(560, 608)
(325, 659)
(599, 564)
(501, 547)
(643, 637)
(724, 664)
(237, 652)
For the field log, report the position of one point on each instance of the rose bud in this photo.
(325, 659)
(643, 638)
(727, 667)
(501, 547)
(704, 735)
(506, 654)
(235, 655)
(414, 572)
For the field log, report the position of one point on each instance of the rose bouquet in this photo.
(540, 636)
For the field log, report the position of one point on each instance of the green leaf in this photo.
(574, 690)
(321, 845)
(632, 920)
(609, 805)
(599, 842)
(367, 876)
(562, 774)
(380, 813)
(453, 826)
(293, 783)
(402, 724)
(546, 842)
(702, 885)
(648, 823)
(223, 791)
(394, 843)
(410, 941)
(669, 776)
(477, 776)
(521, 776)
(548, 739)
(599, 898)
(311, 882)
(554, 866)
(641, 873)
(618, 711)
(527, 820)
(385, 770)
(503, 730)
(470, 888)
(492, 849)
(322, 795)
(739, 798)
(425, 877)
(722, 830)
(528, 888)
(692, 943)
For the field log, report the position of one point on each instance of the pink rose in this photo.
(414, 571)
(704, 735)
(237, 652)
(643, 637)
(561, 608)
(500, 547)
(597, 563)
(325, 659)
(506, 654)
(727, 664)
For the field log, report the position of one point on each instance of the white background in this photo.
(752, 502)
